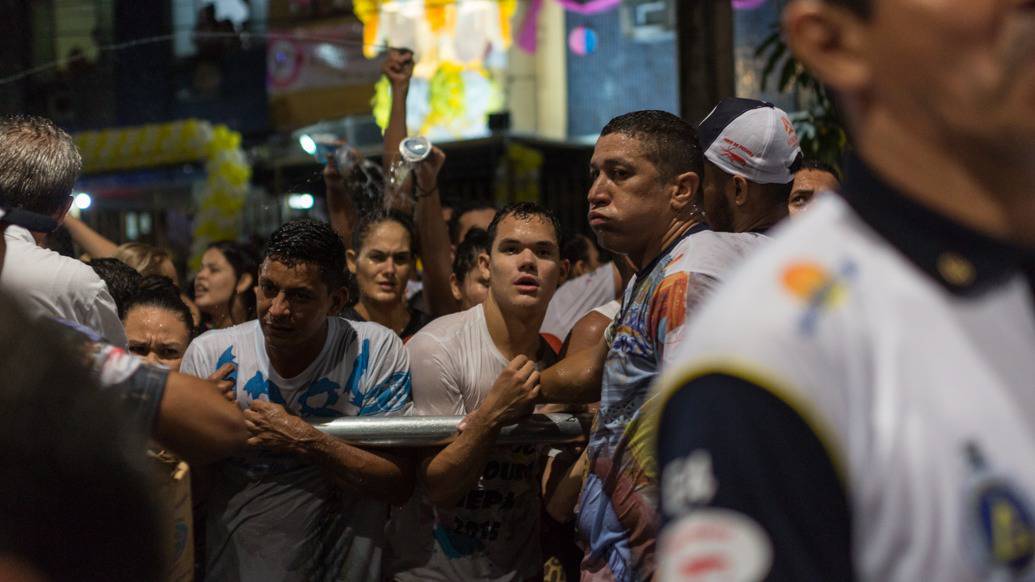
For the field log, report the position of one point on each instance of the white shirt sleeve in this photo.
(195, 361)
(436, 391)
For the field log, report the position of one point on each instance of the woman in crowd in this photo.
(148, 260)
(159, 326)
(151, 260)
(223, 289)
(382, 257)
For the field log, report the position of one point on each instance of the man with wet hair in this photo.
(301, 505)
(475, 515)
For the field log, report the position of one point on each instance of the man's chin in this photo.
(612, 241)
(527, 302)
(278, 337)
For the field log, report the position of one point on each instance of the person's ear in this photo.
(565, 267)
(483, 264)
(686, 188)
(740, 190)
(579, 269)
(831, 41)
(244, 283)
(454, 286)
(350, 257)
(339, 299)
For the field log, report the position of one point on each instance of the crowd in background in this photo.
(730, 352)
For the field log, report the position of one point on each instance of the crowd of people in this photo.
(792, 377)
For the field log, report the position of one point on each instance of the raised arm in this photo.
(451, 472)
(398, 68)
(435, 249)
(92, 242)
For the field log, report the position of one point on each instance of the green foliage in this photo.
(819, 124)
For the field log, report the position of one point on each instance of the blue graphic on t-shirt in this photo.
(259, 386)
(359, 368)
(455, 544)
(388, 396)
(227, 357)
(316, 389)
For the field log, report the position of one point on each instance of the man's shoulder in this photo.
(712, 253)
(446, 328)
(375, 334)
(794, 300)
(28, 264)
(222, 338)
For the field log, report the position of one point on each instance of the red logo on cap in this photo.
(788, 127)
(728, 154)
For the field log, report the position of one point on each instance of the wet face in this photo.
(215, 283)
(807, 185)
(383, 264)
(157, 335)
(473, 289)
(525, 265)
(629, 197)
(475, 219)
(293, 303)
(715, 198)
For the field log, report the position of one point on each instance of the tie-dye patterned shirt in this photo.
(618, 519)
(275, 516)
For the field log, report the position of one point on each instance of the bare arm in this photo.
(378, 474)
(398, 68)
(197, 421)
(434, 237)
(576, 378)
(452, 472)
(560, 501)
(92, 242)
(586, 333)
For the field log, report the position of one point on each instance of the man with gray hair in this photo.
(39, 164)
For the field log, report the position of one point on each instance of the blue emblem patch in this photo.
(1001, 524)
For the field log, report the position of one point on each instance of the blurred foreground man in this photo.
(301, 505)
(858, 402)
(39, 164)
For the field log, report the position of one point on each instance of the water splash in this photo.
(412, 151)
(396, 190)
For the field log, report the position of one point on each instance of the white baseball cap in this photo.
(751, 138)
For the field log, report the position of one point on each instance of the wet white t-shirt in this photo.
(275, 516)
(493, 532)
(575, 299)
